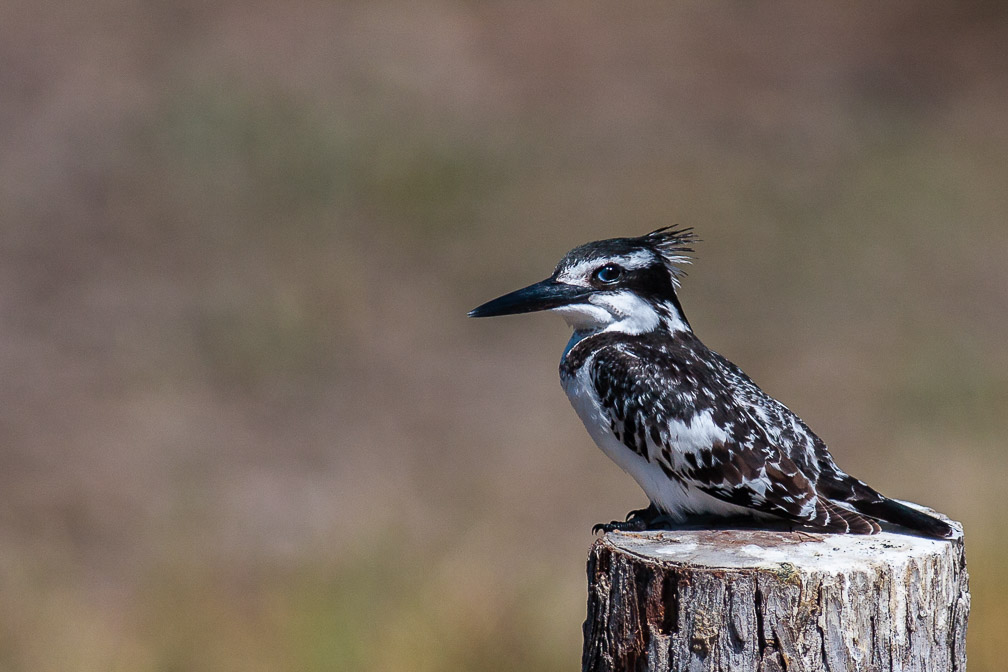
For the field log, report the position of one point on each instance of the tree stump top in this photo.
(769, 549)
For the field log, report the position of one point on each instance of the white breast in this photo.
(675, 498)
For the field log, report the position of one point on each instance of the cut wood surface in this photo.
(748, 599)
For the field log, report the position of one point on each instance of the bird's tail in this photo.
(894, 512)
(852, 494)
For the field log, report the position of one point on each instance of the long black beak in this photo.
(541, 296)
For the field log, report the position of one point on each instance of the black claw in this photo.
(619, 526)
(638, 520)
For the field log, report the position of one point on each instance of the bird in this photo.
(702, 440)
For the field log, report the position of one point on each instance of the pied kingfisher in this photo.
(700, 438)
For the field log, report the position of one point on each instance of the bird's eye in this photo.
(608, 274)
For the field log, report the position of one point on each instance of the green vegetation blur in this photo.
(245, 422)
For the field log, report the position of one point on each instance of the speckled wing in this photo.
(706, 425)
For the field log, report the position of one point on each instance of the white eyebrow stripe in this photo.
(631, 262)
(635, 260)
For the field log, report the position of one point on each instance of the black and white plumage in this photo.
(695, 432)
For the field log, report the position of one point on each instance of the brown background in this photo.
(245, 423)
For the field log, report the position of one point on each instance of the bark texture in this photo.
(744, 600)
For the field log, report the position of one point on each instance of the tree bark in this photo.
(748, 599)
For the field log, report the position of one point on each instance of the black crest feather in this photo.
(675, 245)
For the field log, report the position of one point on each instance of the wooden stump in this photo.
(775, 600)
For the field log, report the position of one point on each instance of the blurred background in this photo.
(245, 422)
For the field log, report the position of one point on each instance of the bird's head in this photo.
(621, 284)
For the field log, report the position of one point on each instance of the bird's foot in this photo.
(638, 520)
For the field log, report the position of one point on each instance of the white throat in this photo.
(621, 311)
